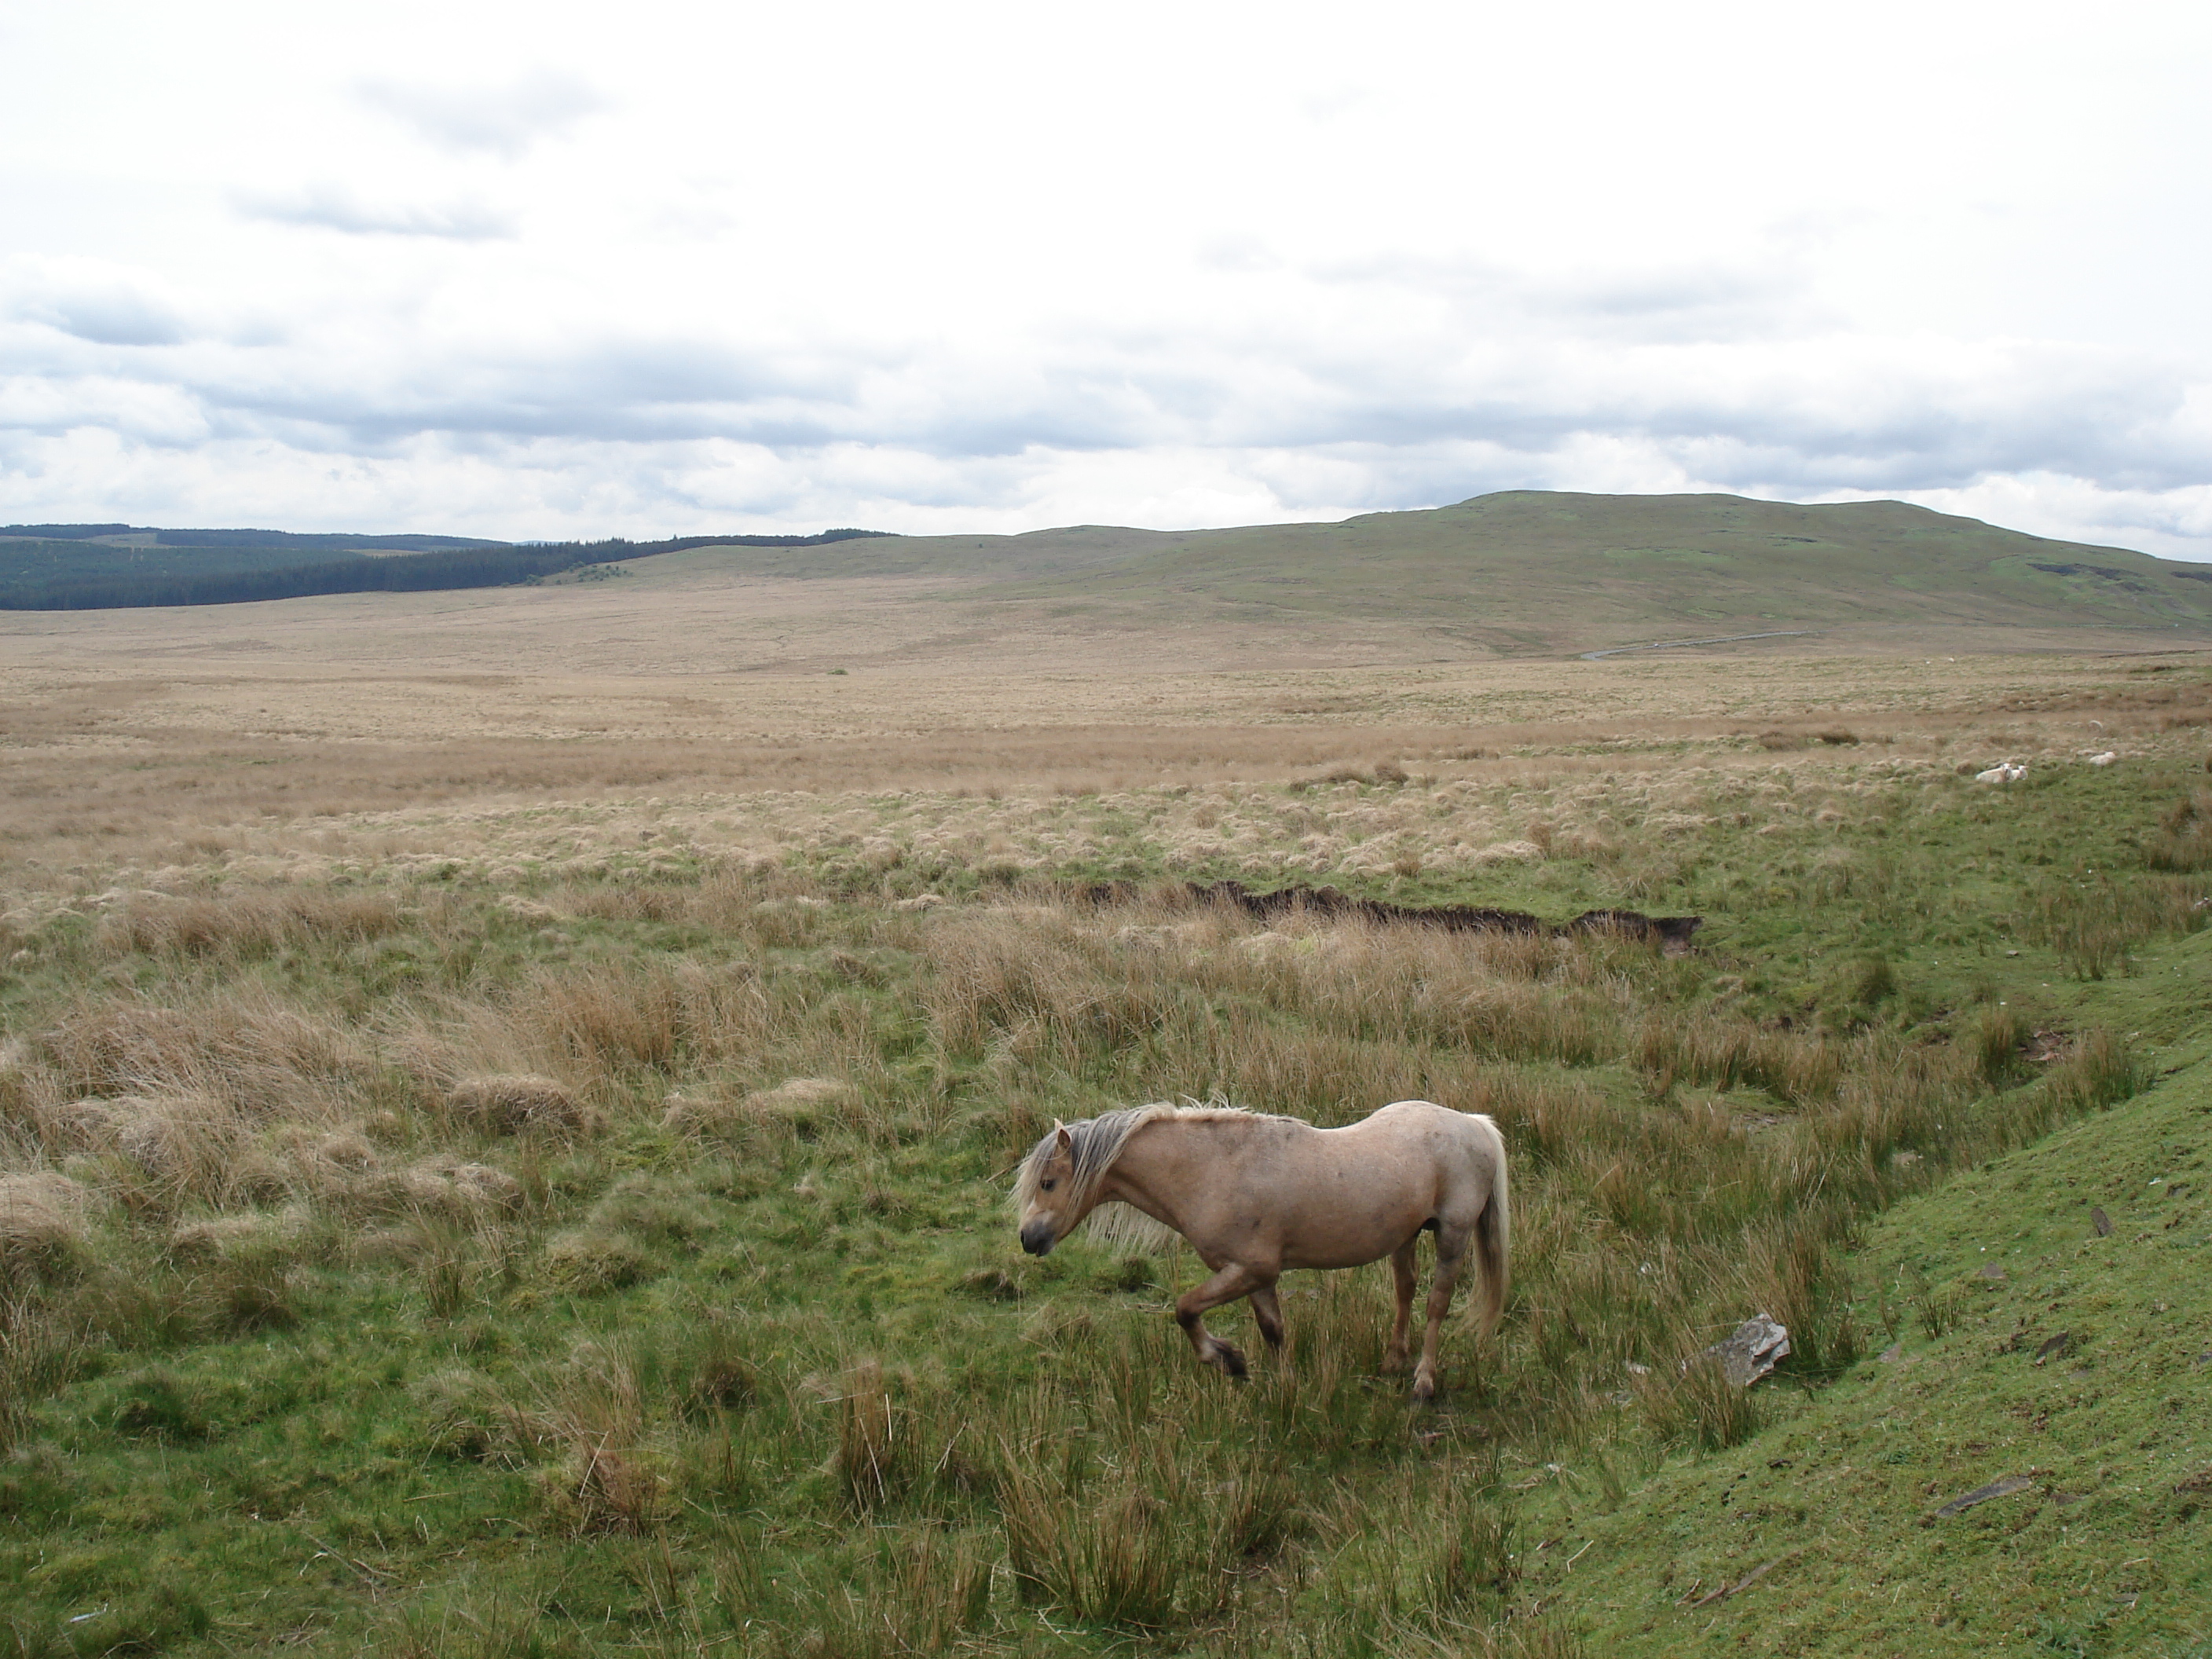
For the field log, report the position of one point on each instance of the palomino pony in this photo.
(1258, 1195)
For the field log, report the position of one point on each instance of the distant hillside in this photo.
(109, 565)
(1528, 571)
(1520, 573)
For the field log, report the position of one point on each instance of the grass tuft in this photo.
(1700, 1409)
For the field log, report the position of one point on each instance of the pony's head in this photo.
(1047, 1191)
(1063, 1177)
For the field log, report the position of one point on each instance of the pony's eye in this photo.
(1050, 1185)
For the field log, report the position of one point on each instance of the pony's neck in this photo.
(1140, 1177)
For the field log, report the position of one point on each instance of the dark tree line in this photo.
(490, 564)
(319, 542)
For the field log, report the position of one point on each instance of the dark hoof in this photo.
(1231, 1361)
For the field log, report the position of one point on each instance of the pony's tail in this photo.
(1493, 1233)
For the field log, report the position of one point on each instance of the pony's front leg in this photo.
(1401, 1269)
(1451, 1256)
(1231, 1282)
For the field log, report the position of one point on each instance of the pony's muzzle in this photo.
(1037, 1237)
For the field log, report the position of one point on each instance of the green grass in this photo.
(2018, 1341)
(708, 1362)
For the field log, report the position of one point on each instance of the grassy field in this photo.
(464, 1196)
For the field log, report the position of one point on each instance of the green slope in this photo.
(2106, 1547)
(1566, 568)
(1528, 571)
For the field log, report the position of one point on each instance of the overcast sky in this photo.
(550, 271)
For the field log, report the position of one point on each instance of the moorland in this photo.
(506, 1100)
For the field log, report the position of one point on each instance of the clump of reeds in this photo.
(1995, 1040)
(605, 1478)
(2096, 919)
(876, 1457)
(1147, 1539)
(461, 1413)
(1700, 1408)
(1433, 1553)
(1721, 1051)
(2183, 843)
(40, 1352)
(240, 927)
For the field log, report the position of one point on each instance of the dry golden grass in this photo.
(42, 1216)
(131, 780)
(507, 1103)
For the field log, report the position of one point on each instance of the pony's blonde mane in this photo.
(1093, 1145)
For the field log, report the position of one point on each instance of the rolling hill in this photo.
(1533, 572)
(1518, 574)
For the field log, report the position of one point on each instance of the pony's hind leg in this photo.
(1231, 1282)
(1451, 1256)
(1269, 1312)
(1401, 1269)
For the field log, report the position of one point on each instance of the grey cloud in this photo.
(612, 389)
(1915, 437)
(1823, 419)
(108, 316)
(504, 121)
(1462, 416)
(101, 310)
(332, 207)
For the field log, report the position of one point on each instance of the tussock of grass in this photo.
(462, 1414)
(508, 1105)
(42, 1224)
(593, 1259)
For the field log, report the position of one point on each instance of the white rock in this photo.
(1752, 1350)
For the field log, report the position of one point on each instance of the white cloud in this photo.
(333, 207)
(505, 120)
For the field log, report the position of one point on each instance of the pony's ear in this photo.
(1065, 1141)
